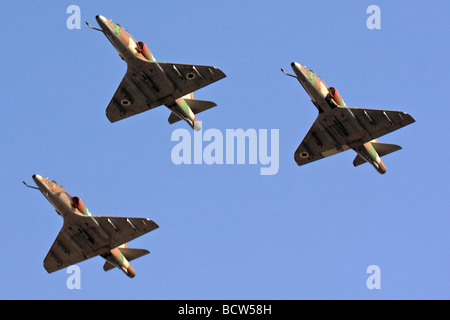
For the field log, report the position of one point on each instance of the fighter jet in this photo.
(339, 128)
(84, 236)
(148, 84)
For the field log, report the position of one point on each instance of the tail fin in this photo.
(196, 106)
(381, 148)
(129, 253)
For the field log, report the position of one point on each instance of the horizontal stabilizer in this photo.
(381, 148)
(129, 253)
(174, 118)
(132, 253)
(196, 106)
(108, 266)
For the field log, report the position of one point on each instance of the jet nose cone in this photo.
(39, 181)
(101, 20)
(297, 67)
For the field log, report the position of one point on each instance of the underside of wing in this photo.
(88, 236)
(121, 230)
(147, 85)
(143, 87)
(127, 101)
(63, 253)
(377, 123)
(316, 145)
(74, 243)
(188, 78)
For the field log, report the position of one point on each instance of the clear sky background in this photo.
(227, 232)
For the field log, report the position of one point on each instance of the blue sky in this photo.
(227, 232)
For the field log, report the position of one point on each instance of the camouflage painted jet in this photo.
(339, 128)
(84, 236)
(148, 84)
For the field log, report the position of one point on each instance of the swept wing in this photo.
(84, 237)
(337, 131)
(148, 84)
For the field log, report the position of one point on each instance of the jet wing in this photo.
(316, 145)
(321, 141)
(188, 78)
(85, 237)
(377, 123)
(128, 100)
(147, 85)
